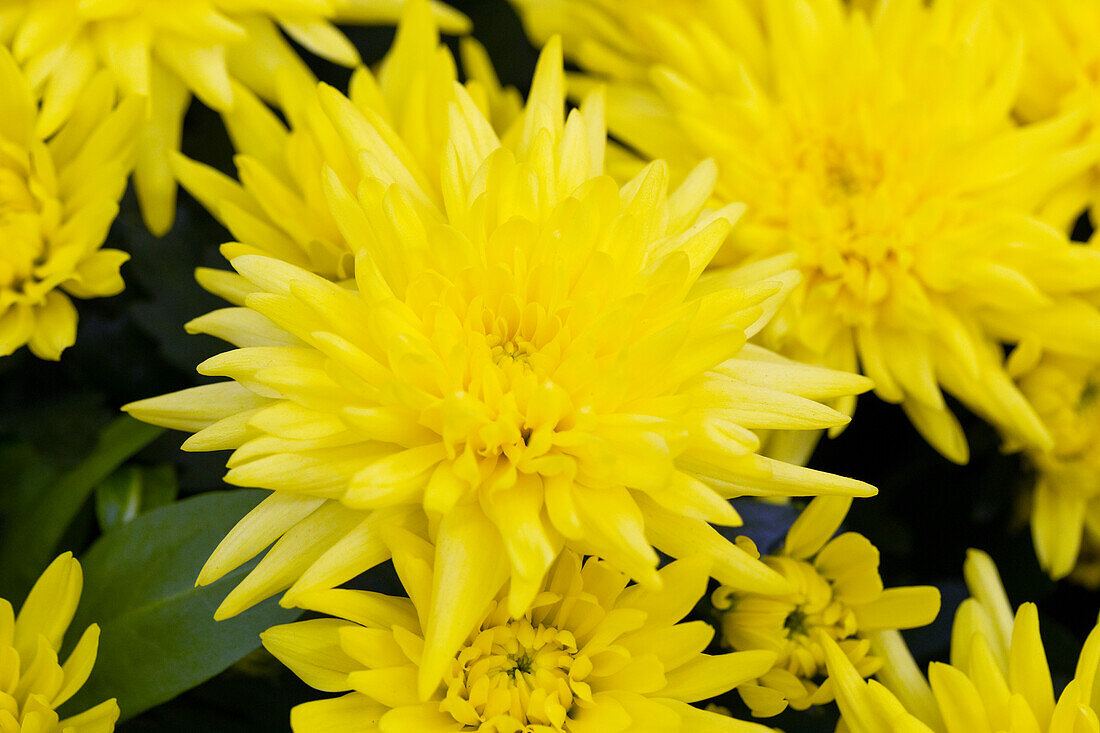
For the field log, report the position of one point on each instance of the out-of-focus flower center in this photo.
(516, 674)
(1067, 398)
(836, 211)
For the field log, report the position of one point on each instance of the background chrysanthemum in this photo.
(524, 358)
(33, 684)
(1061, 75)
(1067, 477)
(169, 51)
(883, 151)
(278, 208)
(592, 655)
(997, 680)
(837, 591)
(58, 197)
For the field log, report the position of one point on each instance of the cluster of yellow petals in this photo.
(1061, 74)
(836, 592)
(487, 377)
(591, 654)
(58, 197)
(997, 681)
(1065, 516)
(32, 682)
(278, 208)
(168, 50)
(881, 147)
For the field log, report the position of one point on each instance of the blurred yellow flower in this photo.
(32, 682)
(1066, 394)
(998, 679)
(279, 207)
(169, 50)
(837, 592)
(1061, 74)
(881, 150)
(58, 197)
(592, 655)
(523, 362)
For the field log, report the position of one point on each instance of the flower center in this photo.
(839, 210)
(517, 672)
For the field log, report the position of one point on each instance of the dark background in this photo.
(133, 346)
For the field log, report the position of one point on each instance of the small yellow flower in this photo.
(591, 655)
(279, 207)
(998, 680)
(1066, 394)
(524, 362)
(882, 150)
(837, 592)
(58, 197)
(169, 50)
(32, 682)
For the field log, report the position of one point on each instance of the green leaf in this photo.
(30, 542)
(158, 635)
(133, 490)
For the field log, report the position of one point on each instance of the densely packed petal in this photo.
(882, 149)
(591, 654)
(168, 51)
(59, 194)
(526, 360)
(837, 592)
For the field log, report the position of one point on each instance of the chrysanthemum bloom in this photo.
(883, 152)
(998, 679)
(169, 51)
(58, 197)
(592, 655)
(837, 592)
(278, 208)
(1061, 75)
(1066, 394)
(32, 682)
(524, 358)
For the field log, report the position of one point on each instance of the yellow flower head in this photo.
(32, 683)
(998, 679)
(591, 655)
(58, 197)
(883, 152)
(168, 50)
(837, 592)
(1066, 395)
(524, 360)
(1061, 74)
(279, 207)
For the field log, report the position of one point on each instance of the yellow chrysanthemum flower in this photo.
(169, 51)
(837, 592)
(881, 150)
(58, 197)
(592, 655)
(1061, 74)
(998, 680)
(279, 208)
(32, 683)
(1066, 394)
(525, 358)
